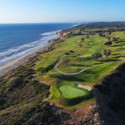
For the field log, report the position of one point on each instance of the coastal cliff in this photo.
(30, 94)
(63, 35)
(110, 97)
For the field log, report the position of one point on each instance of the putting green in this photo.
(70, 92)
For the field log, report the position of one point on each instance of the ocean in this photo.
(18, 39)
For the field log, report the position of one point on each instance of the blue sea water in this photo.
(18, 39)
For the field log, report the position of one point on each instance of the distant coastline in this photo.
(22, 59)
(17, 40)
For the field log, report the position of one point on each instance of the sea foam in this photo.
(16, 52)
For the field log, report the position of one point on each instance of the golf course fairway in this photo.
(69, 92)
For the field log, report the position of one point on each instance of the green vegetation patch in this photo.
(85, 48)
(70, 92)
(14, 82)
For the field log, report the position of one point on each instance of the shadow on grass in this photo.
(75, 101)
(79, 65)
(117, 45)
(110, 60)
(110, 97)
(89, 71)
(68, 78)
(48, 68)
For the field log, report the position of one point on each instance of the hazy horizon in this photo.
(77, 23)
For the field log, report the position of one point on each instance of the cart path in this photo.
(71, 74)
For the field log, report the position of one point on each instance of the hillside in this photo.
(78, 80)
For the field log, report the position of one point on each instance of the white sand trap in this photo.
(88, 88)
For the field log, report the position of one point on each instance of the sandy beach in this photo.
(17, 62)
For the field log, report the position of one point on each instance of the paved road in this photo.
(71, 74)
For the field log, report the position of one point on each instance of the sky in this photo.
(52, 11)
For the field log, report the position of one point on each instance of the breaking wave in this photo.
(19, 51)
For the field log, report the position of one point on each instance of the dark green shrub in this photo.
(108, 43)
(40, 88)
(106, 52)
(96, 55)
(14, 82)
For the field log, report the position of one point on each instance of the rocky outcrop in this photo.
(110, 95)
(63, 35)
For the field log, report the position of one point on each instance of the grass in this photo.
(74, 63)
(70, 92)
(23, 94)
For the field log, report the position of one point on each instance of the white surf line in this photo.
(71, 74)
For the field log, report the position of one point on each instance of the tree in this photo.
(79, 33)
(100, 34)
(82, 39)
(108, 43)
(115, 39)
(87, 36)
(106, 52)
(109, 38)
(96, 56)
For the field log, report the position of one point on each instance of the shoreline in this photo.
(5, 68)
(19, 61)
